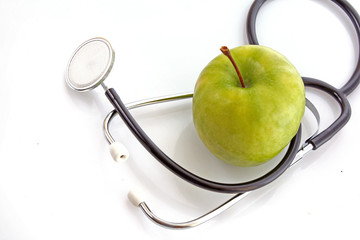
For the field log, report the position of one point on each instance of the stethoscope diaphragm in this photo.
(90, 64)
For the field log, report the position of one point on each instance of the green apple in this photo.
(248, 125)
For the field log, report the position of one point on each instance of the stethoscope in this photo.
(93, 60)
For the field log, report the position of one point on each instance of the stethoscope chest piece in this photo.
(90, 64)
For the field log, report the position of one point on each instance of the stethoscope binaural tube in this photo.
(136, 195)
(338, 94)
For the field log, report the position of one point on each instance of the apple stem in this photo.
(226, 52)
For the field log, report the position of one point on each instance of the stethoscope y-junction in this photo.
(91, 63)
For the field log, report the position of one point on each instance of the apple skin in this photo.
(248, 126)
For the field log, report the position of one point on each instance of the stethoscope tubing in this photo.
(156, 152)
(352, 14)
(345, 114)
(338, 94)
(349, 10)
(292, 156)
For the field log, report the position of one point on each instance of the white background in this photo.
(57, 179)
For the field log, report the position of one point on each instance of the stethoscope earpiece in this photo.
(118, 152)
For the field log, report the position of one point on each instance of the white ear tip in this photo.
(118, 152)
(135, 197)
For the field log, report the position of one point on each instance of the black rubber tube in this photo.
(156, 152)
(340, 122)
(338, 94)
